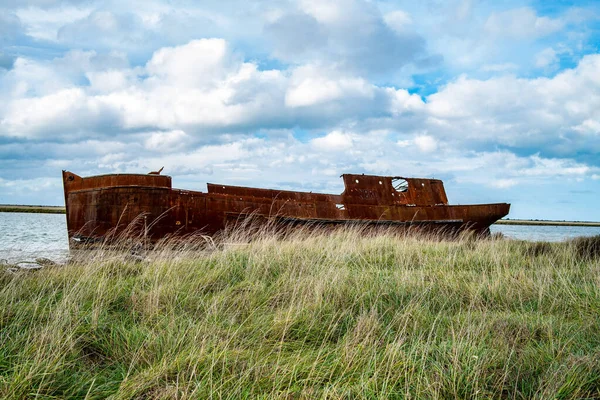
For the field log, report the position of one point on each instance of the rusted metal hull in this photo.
(104, 205)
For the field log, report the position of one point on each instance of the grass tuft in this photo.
(587, 247)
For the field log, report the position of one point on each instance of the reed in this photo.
(336, 315)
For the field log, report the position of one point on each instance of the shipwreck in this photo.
(105, 205)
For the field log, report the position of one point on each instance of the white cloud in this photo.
(198, 64)
(200, 86)
(311, 86)
(111, 81)
(556, 167)
(398, 20)
(503, 183)
(589, 126)
(201, 83)
(423, 142)
(203, 88)
(165, 142)
(404, 102)
(521, 23)
(63, 110)
(44, 23)
(500, 67)
(332, 12)
(546, 58)
(351, 34)
(544, 113)
(103, 28)
(334, 141)
(426, 143)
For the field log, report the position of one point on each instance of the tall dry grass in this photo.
(341, 315)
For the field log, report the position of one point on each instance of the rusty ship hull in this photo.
(105, 205)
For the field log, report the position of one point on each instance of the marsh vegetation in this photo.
(309, 315)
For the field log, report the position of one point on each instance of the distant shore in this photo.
(545, 222)
(32, 209)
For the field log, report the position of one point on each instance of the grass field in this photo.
(347, 315)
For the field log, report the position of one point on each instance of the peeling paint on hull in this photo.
(99, 205)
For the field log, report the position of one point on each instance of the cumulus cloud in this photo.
(201, 83)
(549, 114)
(589, 127)
(546, 58)
(67, 113)
(351, 33)
(426, 143)
(422, 142)
(500, 67)
(471, 34)
(165, 142)
(103, 29)
(199, 63)
(400, 21)
(334, 141)
(521, 23)
(43, 22)
(311, 85)
(296, 34)
(139, 31)
(204, 87)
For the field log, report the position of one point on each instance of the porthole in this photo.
(400, 185)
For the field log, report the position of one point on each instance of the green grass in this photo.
(346, 315)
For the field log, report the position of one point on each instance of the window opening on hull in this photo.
(340, 207)
(401, 185)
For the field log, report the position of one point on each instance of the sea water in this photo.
(27, 236)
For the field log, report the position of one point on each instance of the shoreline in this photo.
(537, 222)
(32, 209)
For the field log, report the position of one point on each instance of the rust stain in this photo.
(99, 205)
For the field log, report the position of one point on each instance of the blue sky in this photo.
(501, 100)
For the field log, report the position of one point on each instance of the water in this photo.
(545, 233)
(26, 236)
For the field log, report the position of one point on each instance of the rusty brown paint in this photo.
(99, 205)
